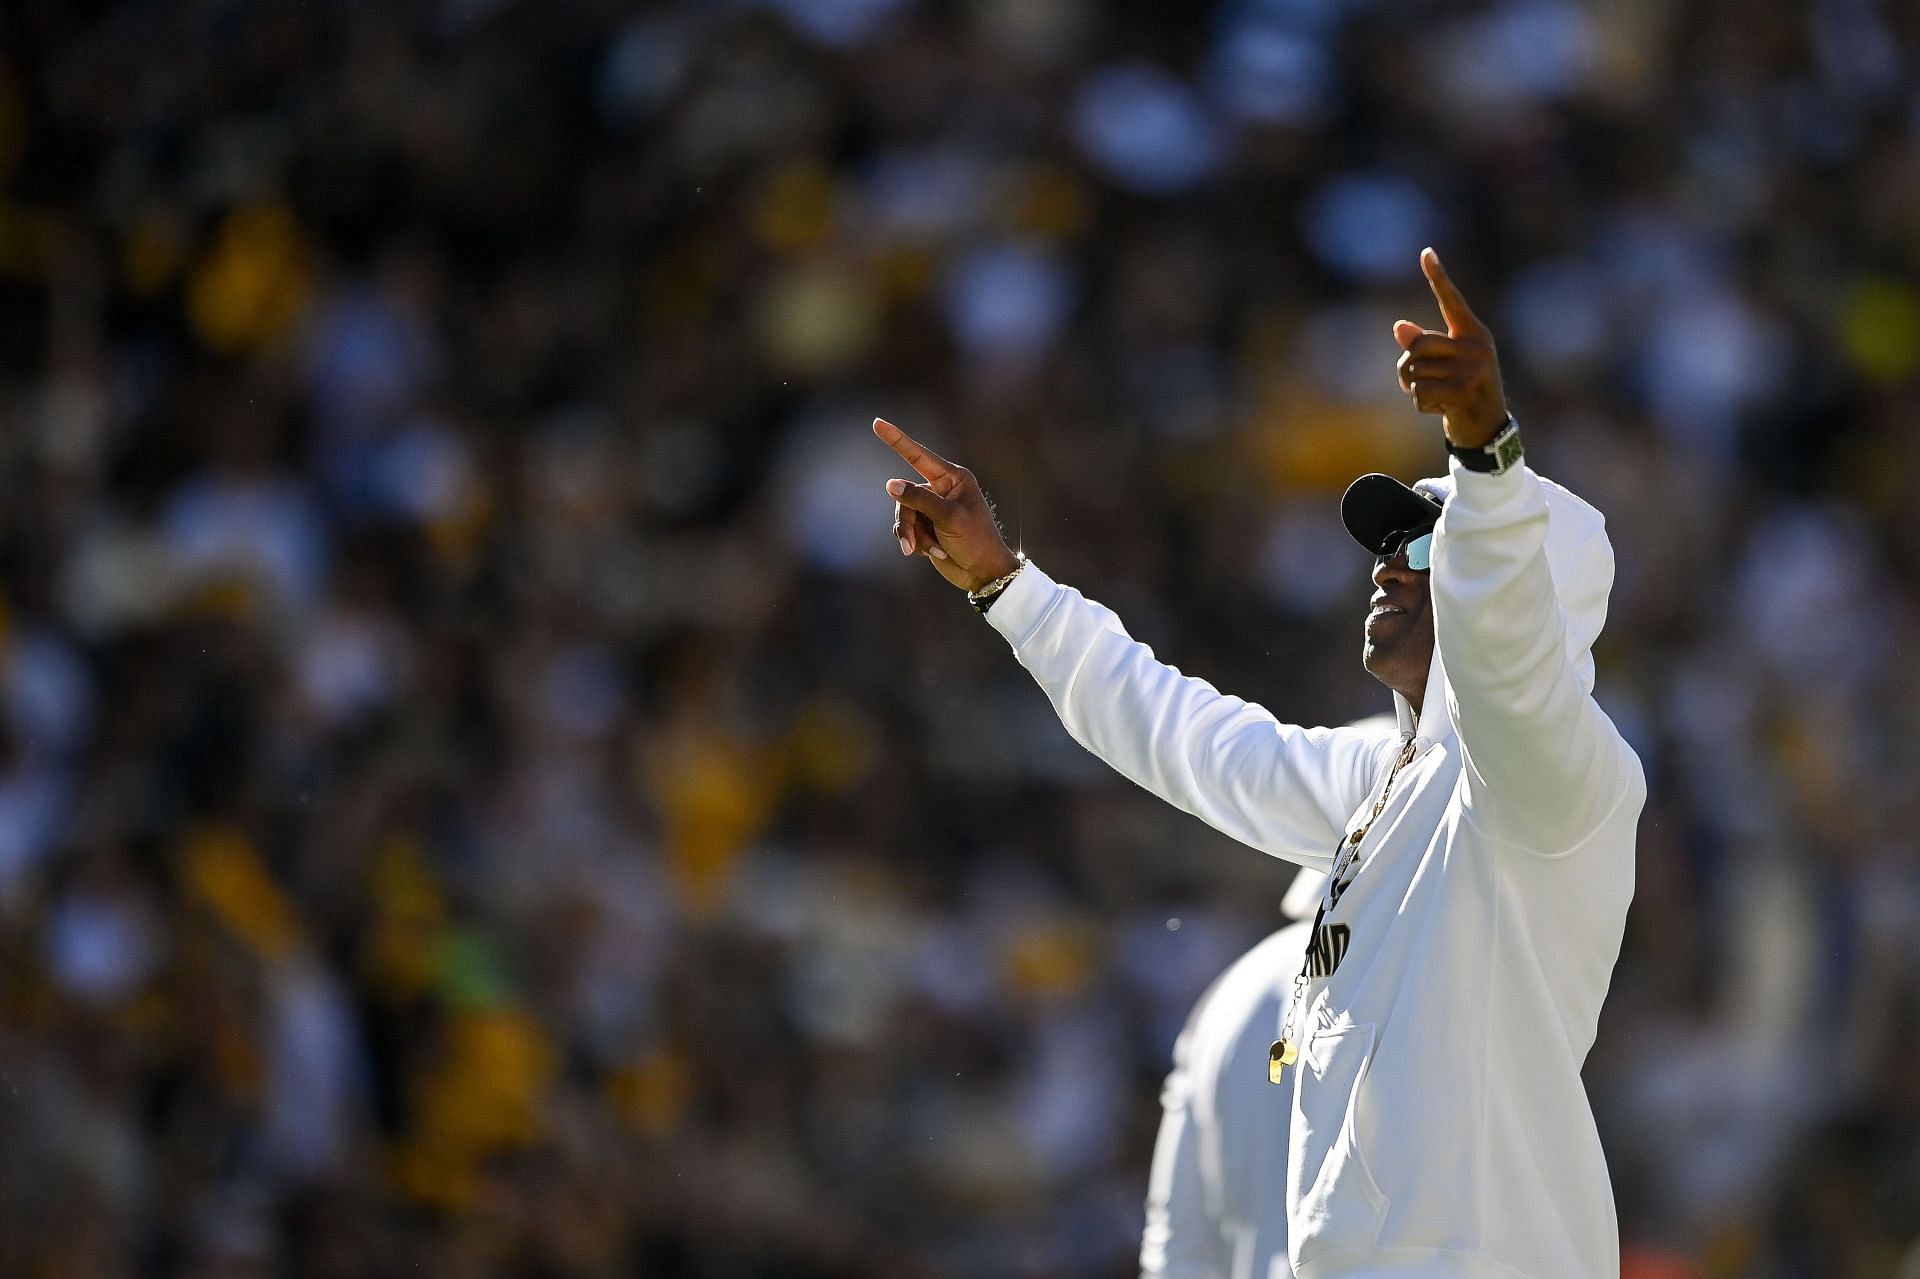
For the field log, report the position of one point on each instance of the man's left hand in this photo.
(1457, 373)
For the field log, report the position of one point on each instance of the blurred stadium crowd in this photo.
(481, 795)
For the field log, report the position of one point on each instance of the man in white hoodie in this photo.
(1479, 859)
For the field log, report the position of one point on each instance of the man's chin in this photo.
(1382, 662)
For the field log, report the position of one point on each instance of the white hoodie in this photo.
(1440, 1128)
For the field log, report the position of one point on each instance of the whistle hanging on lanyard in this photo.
(1283, 1054)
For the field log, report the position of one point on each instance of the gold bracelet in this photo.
(983, 599)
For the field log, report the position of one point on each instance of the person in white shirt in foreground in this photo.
(1480, 858)
(1217, 1193)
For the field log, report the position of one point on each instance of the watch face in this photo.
(1506, 449)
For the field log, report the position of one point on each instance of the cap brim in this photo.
(1376, 507)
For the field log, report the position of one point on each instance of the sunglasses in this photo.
(1418, 548)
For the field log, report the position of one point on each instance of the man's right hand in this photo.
(946, 518)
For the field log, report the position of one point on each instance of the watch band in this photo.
(1498, 455)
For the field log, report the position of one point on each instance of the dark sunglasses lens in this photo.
(1418, 548)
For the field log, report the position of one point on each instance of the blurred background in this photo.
(481, 793)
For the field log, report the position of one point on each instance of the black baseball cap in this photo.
(1377, 507)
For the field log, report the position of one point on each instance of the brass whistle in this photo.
(1283, 1054)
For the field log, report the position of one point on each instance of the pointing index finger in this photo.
(929, 464)
(1453, 306)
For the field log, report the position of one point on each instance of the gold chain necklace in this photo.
(1286, 1049)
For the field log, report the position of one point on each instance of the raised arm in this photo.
(1521, 571)
(1280, 788)
(1283, 789)
(1545, 767)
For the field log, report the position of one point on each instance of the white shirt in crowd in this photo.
(1217, 1194)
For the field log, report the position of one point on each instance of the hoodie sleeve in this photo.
(1543, 765)
(1277, 787)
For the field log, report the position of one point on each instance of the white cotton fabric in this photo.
(1217, 1191)
(1439, 1125)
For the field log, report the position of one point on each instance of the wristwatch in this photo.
(1497, 456)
